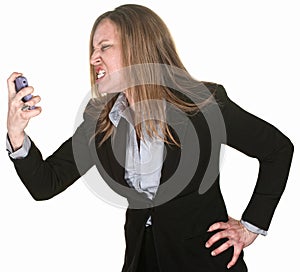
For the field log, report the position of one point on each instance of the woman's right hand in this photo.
(17, 119)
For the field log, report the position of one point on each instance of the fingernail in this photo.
(206, 245)
(213, 253)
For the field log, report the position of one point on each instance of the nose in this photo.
(95, 58)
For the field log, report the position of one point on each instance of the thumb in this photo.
(11, 85)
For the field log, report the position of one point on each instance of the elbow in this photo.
(289, 147)
(282, 153)
(287, 152)
(38, 191)
(38, 196)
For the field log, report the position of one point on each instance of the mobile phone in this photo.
(20, 83)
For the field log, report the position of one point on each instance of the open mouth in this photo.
(100, 74)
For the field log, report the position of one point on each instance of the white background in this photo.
(251, 48)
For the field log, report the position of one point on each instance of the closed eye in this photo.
(105, 47)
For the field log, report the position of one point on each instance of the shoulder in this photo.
(216, 92)
(216, 89)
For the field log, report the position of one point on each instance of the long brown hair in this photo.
(145, 39)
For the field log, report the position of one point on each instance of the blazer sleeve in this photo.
(258, 139)
(46, 178)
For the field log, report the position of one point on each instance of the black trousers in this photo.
(148, 258)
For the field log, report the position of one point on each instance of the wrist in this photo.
(16, 139)
(252, 228)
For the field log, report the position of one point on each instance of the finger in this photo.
(23, 92)
(221, 248)
(11, 85)
(33, 101)
(218, 225)
(27, 114)
(236, 253)
(216, 237)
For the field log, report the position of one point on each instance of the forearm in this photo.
(271, 182)
(47, 178)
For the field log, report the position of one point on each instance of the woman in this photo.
(154, 133)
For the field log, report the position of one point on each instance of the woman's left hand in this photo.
(238, 236)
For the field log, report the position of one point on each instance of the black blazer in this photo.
(179, 224)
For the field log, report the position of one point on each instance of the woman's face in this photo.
(106, 57)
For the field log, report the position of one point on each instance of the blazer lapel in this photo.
(112, 154)
(177, 122)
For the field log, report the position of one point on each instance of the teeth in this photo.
(100, 74)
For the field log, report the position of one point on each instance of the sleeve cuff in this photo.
(22, 152)
(253, 228)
